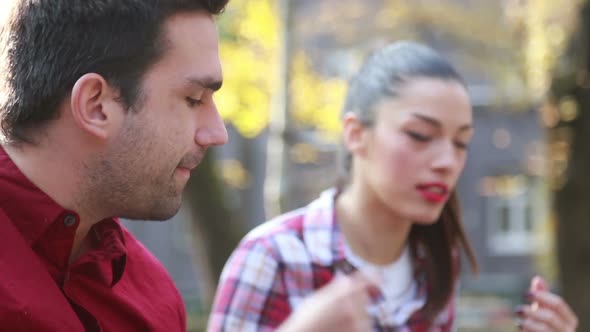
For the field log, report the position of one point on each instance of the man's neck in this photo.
(55, 172)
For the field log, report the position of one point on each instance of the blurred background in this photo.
(526, 187)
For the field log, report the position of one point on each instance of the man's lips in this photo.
(184, 171)
(435, 192)
(187, 167)
(190, 163)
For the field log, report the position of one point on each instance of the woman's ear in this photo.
(354, 134)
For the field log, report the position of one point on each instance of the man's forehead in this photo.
(191, 49)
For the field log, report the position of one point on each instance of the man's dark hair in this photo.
(47, 45)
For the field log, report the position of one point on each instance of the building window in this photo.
(514, 210)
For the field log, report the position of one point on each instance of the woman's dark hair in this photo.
(383, 75)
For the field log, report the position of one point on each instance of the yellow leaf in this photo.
(249, 55)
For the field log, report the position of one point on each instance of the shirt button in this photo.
(69, 220)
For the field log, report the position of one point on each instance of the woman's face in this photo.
(411, 159)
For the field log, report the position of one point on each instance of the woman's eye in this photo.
(461, 145)
(418, 137)
(193, 102)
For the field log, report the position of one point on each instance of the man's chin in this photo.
(156, 213)
(167, 214)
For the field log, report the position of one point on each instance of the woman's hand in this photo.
(547, 311)
(340, 306)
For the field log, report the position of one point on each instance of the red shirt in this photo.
(116, 286)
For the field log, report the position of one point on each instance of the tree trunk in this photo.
(570, 91)
(213, 223)
(278, 182)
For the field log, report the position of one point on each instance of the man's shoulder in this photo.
(31, 300)
(3, 217)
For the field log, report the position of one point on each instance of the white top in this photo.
(398, 287)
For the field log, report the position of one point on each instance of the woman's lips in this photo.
(435, 192)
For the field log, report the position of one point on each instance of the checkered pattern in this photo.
(283, 261)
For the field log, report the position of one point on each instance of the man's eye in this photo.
(418, 137)
(193, 102)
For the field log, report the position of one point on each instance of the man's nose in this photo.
(213, 131)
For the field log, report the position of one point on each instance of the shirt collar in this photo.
(33, 213)
(31, 210)
(321, 233)
(325, 242)
(109, 234)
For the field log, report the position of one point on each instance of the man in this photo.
(107, 105)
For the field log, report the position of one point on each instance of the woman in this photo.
(407, 123)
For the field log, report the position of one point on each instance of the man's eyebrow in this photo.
(207, 82)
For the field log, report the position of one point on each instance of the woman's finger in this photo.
(558, 306)
(542, 317)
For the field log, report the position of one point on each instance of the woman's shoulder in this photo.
(297, 225)
(278, 237)
(289, 224)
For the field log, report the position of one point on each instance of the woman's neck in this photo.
(372, 231)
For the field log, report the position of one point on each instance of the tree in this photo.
(568, 115)
(248, 43)
(215, 228)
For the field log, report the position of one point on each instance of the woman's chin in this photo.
(425, 218)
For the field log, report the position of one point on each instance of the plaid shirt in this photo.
(285, 260)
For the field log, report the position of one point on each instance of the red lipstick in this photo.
(434, 192)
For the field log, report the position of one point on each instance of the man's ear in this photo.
(354, 134)
(94, 106)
